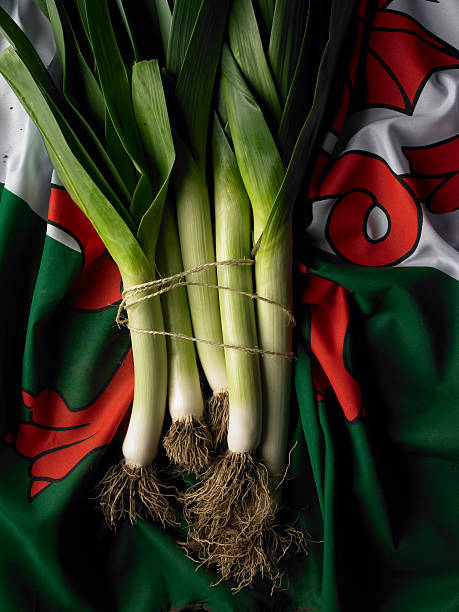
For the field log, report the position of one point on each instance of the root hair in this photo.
(188, 443)
(134, 492)
(232, 515)
(218, 418)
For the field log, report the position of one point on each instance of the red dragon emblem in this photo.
(394, 58)
(57, 437)
(401, 57)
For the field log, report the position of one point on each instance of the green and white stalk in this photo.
(184, 387)
(197, 248)
(188, 442)
(273, 277)
(262, 172)
(193, 56)
(233, 242)
(133, 488)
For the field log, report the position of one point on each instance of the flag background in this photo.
(374, 413)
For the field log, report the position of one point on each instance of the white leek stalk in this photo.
(262, 172)
(141, 442)
(188, 442)
(185, 442)
(197, 248)
(133, 488)
(184, 388)
(193, 55)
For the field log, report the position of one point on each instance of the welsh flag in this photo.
(374, 414)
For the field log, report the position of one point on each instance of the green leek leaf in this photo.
(257, 156)
(227, 173)
(83, 93)
(182, 25)
(152, 116)
(58, 32)
(127, 25)
(19, 41)
(42, 6)
(266, 8)
(81, 5)
(83, 83)
(285, 42)
(287, 196)
(164, 15)
(196, 80)
(248, 51)
(114, 80)
(142, 198)
(301, 92)
(119, 155)
(60, 107)
(153, 120)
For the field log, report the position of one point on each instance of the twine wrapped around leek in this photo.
(188, 442)
(146, 291)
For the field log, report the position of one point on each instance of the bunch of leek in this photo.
(226, 115)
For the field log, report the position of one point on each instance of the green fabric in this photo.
(388, 484)
(22, 234)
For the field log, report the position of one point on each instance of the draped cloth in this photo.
(374, 404)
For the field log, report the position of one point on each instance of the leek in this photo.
(193, 54)
(262, 171)
(133, 488)
(233, 509)
(234, 525)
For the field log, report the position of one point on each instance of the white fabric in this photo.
(441, 17)
(25, 167)
(63, 237)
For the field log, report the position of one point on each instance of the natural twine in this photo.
(167, 284)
